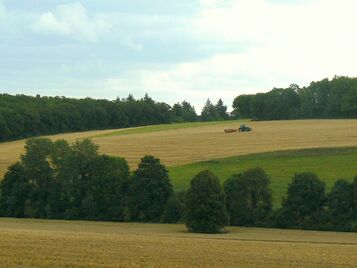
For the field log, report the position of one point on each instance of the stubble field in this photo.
(179, 144)
(41, 243)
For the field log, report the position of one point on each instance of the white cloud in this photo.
(248, 45)
(71, 20)
(290, 43)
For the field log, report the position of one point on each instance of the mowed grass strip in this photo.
(163, 127)
(40, 243)
(329, 164)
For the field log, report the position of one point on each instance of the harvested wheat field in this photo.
(197, 142)
(41, 243)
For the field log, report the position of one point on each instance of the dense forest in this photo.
(58, 180)
(25, 116)
(336, 98)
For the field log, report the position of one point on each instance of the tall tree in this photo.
(209, 112)
(303, 206)
(354, 194)
(242, 106)
(249, 199)
(38, 170)
(340, 203)
(106, 189)
(150, 189)
(78, 167)
(205, 209)
(14, 191)
(221, 110)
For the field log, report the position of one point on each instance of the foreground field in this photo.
(180, 144)
(36, 243)
(329, 164)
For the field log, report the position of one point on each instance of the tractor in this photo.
(245, 128)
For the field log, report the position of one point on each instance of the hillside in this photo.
(179, 144)
(41, 243)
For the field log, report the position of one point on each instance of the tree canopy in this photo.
(205, 208)
(336, 98)
(249, 199)
(25, 116)
(150, 190)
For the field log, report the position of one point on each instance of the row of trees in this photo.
(246, 200)
(24, 116)
(214, 112)
(336, 98)
(58, 180)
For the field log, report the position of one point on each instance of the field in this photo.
(179, 144)
(40, 243)
(327, 147)
(188, 148)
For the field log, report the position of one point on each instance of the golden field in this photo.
(204, 142)
(41, 243)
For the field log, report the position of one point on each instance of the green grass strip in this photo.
(329, 164)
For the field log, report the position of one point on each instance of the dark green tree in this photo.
(150, 189)
(15, 190)
(242, 106)
(303, 206)
(38, 171)
(174, 208)
(188, 112)
(106, 186)
(221, 110)
(354, 195)
(340, 204)
(209, 112)
(77, 168)
(205, 208)
(61, 181)
(249, 199)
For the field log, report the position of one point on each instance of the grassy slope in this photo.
(43, 243)
(329, 163)
(163, 127)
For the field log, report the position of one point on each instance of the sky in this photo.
(173, 50)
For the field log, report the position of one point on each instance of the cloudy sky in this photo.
(174, 50)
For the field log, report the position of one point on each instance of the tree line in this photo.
(58, 180)
(336, 98)
(25, 116)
